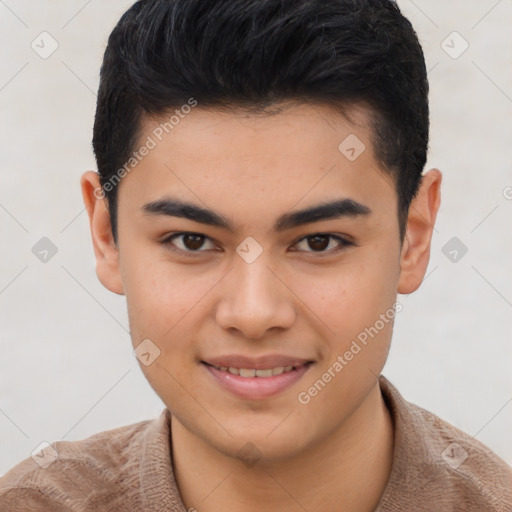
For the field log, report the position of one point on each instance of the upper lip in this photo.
(257, 363)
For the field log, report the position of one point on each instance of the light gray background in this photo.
(66, 365)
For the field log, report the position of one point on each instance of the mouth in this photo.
(256, 383)
(249, 373)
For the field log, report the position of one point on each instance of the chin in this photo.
(265, 444)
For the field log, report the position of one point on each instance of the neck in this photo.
(346, 471)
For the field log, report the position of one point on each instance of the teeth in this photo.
(251, 372)
(264, 373)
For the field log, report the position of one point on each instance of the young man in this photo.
(260, 202)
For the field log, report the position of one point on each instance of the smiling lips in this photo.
(256, 378)
(265, 366)
(258, 363)
(252, 372)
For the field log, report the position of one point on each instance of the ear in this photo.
(105, 249)
(415, 253)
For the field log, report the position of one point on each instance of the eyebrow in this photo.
(324, 211)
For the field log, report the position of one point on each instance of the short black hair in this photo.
(253, 54)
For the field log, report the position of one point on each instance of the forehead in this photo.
(286, 127)
(303, 153)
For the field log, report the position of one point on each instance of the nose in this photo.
(254, 300)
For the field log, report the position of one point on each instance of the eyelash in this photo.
(167, 243)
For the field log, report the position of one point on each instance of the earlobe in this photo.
(105, 248)
(415, 253)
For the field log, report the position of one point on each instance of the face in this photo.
(287, 254)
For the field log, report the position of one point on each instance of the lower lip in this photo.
(257, 388)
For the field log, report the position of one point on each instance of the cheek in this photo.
(157, 295)
(165, 301)
(353, 296)
(161, 302)
(356, 304)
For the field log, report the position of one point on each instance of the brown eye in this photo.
(193, 242)
(319, 242)
(187, 242)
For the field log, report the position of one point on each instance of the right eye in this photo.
(187, 242)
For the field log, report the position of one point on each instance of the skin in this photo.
(335, 452)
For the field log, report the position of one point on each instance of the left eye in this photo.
(319, 242)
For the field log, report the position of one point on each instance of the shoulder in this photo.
(476, 476)
(436, 462)
(70, 474)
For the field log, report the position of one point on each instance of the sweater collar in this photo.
(415, 454)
